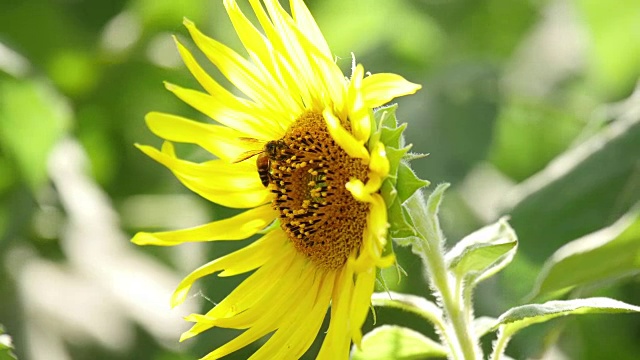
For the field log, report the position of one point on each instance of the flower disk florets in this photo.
(320, 216)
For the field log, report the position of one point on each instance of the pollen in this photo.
(308, 175)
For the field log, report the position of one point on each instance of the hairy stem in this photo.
(430, 248)
(500, 345)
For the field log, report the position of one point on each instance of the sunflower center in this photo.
(308, 173)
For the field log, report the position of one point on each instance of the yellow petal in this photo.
(323, 80)
(316, 73)
(273, 312)
(262, 54)
(234, 185)
(240, 72)
(360, 302)
(300, 325)
(316, 316)
(358, 112)
(254, 255)
(377, 223)
(308, 74)
(308, 26)
(207, 82)
(286, 295)
(248, 293)
(236, 227)
(291, 48)
(252, 334)
(342, 137)
(310, 325)
(381, 88)
(247, 120)
(386, 261)
(277, 302)
(251, 38)
(221, 141)
(374, 238)
(378, 217)
(329, 80)
(379, 161)
(357, 189)
(336, 342)
(377, 227)
(246, 259)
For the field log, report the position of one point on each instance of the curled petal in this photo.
(379, 161)
(359, 114)
(381, 88)
(344, 138)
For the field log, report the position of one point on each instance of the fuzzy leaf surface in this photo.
(484, 252)
(520, 317)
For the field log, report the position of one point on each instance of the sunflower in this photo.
(312, 195)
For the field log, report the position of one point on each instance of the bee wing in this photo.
(246, 155)
(252, 140)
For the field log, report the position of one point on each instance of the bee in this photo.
(270, 152)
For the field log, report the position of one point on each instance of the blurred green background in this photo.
(526, 108)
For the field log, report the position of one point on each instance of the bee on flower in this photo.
(317, 176)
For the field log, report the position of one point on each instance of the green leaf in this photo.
(399, 224)
(434, 200)
(426, 217)
(520, 317)
(399, 343)
(412, 303)
(610, 253)
(401, 182)
(393, 136)
(388, 191)
(386, 116)
(484, 252)
(387, 129)
(395, 157)
(6, 346)
(32, 118)
(408, 182)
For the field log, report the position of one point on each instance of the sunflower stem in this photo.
(430, 247)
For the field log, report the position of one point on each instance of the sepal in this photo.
(401, 182)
